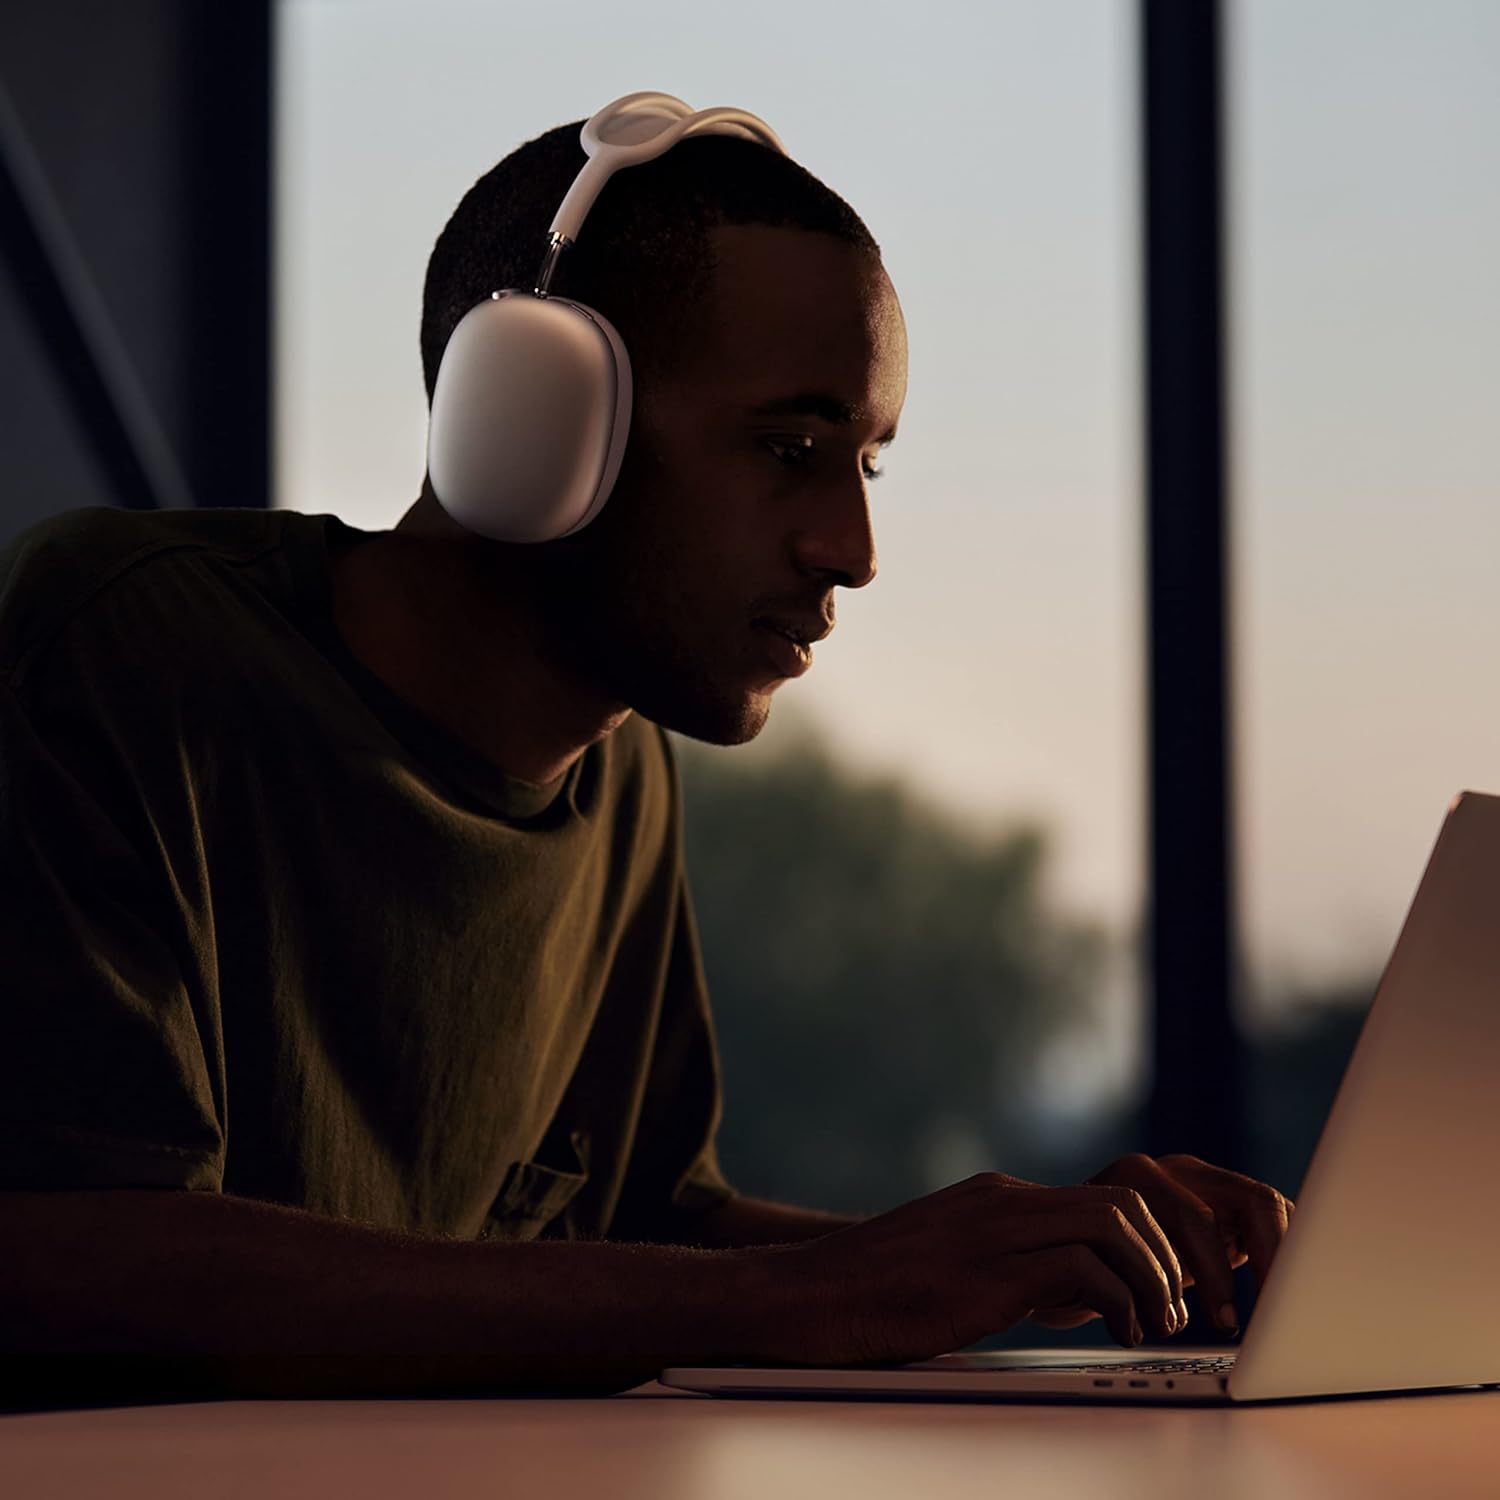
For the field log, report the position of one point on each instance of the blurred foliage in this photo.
(887, 980)
(883, 977)
(1294, 1069)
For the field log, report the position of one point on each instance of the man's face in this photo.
(743, 500)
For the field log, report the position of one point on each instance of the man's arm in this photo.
(141, 1291)
(741, 1222)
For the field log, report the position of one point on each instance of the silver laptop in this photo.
(1387, 1280)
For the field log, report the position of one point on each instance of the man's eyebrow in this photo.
(818, 404)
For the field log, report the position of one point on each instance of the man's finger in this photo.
(1252, 1214)
(1134, 1206)
(1194, 1229)
(1128, 1203)
(1256, 1214)
(1262, 1228)
(1072, 1274)
(1060, 1218)
(1070, 1316)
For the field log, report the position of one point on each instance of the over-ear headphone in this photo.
(531, 407)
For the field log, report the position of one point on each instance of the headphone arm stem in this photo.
(556, 244)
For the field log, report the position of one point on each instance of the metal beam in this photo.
(211, 176)
(1197, 1093)
(76, 330)
(227, 287)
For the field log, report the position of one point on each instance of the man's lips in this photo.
(804, 630)
(789, 642)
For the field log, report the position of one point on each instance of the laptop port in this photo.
(1139, 1384)
(1104, 1382)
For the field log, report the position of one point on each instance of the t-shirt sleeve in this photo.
(675, 1163)
(108, 1031)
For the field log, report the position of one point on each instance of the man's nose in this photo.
(838, 540)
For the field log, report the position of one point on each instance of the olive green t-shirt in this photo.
(266, 929)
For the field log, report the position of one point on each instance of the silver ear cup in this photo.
(530, 415)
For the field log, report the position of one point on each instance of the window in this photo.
(1366, 223)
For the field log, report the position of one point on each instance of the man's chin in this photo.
(733, 722)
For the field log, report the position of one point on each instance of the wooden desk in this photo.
(654, 1446)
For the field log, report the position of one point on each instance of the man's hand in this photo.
(1216, 1221)
(974, 1259)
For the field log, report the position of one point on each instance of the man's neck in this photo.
(463, 647)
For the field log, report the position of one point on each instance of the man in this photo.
(355, 1036)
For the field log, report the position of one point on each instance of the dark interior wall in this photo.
(150, 124)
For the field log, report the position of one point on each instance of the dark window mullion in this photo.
(1197, 1091)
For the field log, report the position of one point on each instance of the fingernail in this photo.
(1171, 1318)
(1229, 1320)
(1181, 1314)
(1136, 1335)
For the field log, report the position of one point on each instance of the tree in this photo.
(883, 977)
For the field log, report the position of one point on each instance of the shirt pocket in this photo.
(534, 1193)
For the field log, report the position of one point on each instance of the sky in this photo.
(991, 148)
(1365, 219)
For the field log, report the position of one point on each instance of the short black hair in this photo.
(643, 255)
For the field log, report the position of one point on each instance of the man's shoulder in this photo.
(56, 568)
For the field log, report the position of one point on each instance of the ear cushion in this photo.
(530, 415)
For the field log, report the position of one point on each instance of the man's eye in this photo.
(790, 450)
(795, 451)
